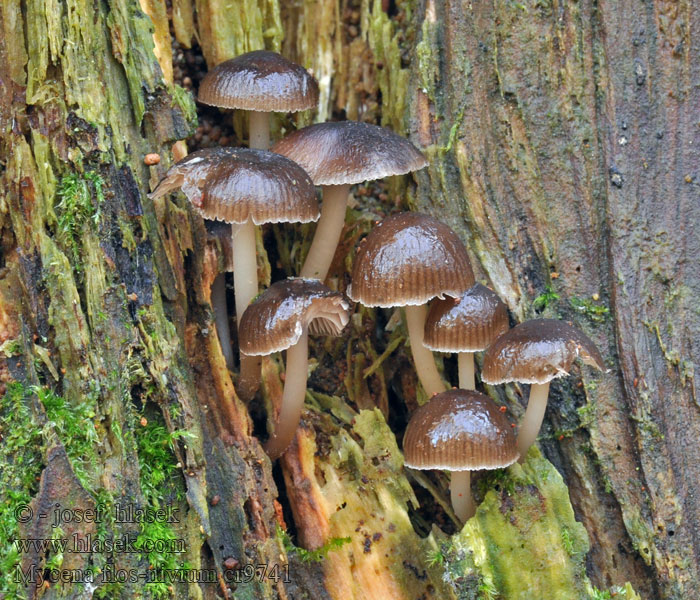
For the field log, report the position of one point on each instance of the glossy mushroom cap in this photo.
(260, 81)
(459, 430)
(466, 324)
(277, 318)
(407, 259)
(235, 184)
(538, 351)
(349, 152)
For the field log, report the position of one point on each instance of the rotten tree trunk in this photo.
(563, 145)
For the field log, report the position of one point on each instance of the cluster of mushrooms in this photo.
(408, 260)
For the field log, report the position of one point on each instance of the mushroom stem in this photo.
(532, 421)
(461, 495)
(259, 130)
(422, 357)
(327, 236)
(245, 285)
(465, 364)
(292, 398)
(218, 305)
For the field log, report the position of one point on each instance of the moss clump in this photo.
(594, 311)
(160, 479)
(74, 425)
(11, 348)
(79, 200)
(21, 447)
(546, 298)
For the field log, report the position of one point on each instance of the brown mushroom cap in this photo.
(459, 430)
(235, 184)
(276, 319)
(260, 81)
(538, 351)
(407, 259)
(349, 152)
(466, 324)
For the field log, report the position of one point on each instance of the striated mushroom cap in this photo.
(237, 184)
(407, 259)
(260, 81)
(349, 152)
(538, 351)
(466, 324)
(276, 319)
(459, 430)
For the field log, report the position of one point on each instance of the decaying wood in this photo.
(565, 141)
(563, 146)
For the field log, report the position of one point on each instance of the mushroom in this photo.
(336, 156)
(280, 319)
(459, 431)
(260, 82)
(465, 325)
(246, 188)
(406, 260)
(536, 352)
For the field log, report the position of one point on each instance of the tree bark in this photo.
(563, 143)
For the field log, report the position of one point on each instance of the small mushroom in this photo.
(465, 325)
(260, 82)
(459, 431)
(246, 188)
(336, 156)
(406, 260)
(536, 352)
(280, 319)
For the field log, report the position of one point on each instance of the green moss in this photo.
(586, 414)
(567, 542)
(615, 593)
(310, 555)
(546, 298)
(11, 348)
(160, 480)
(594, 311)
(78, 207)
(75, 428)
(21, 446)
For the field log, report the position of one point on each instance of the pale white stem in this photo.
(218, 305)
(259, 130)
(422, 357)
(532, 421)
(245, 266)
(328, 230)
(461, 495)
(292, 398)
(245, 287)
(465, 364)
